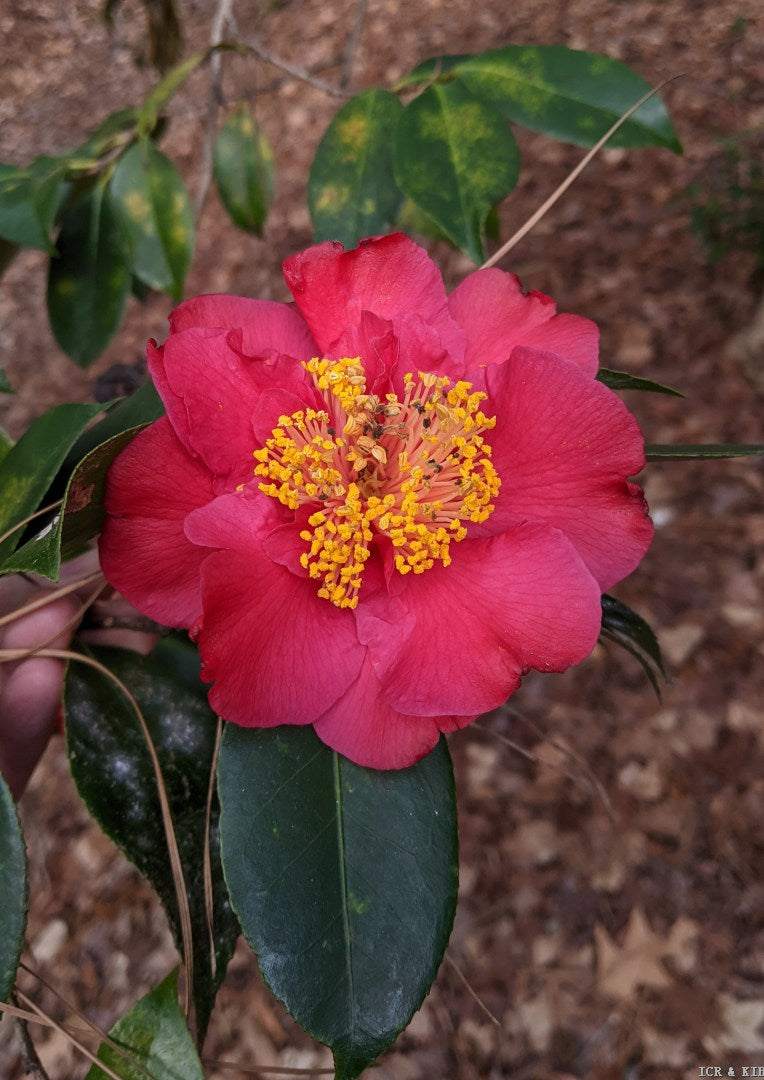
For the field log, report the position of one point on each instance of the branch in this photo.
(351, 45)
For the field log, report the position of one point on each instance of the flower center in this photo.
(414, 469)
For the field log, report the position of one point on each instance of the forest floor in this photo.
(611, 912)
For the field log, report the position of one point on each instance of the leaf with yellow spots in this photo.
(244, 171)
(89, 282)
(151, 200)
(455, 157)
(565, 93)
(352, 191)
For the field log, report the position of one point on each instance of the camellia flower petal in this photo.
(377, 508)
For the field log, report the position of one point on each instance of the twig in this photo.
(223, 16)
(535, 218)
(294, 70)
(351, 45)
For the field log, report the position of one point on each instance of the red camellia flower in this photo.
(377, 508)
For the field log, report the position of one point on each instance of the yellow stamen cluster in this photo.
(418, 479)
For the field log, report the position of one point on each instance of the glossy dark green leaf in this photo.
(455, 157)
(68, 532)
(154, 1035)
(13, 891)
(29, 200)
(89, 282)
(352, 191)
(244, 173)
(114, 776)
(142, 407)
(678, 452)
(151, 199)
(31, 464)
(567, 94)
(624, 627)
(343, 878)
(623, 380)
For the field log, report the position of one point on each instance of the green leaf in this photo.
(149, 112)
(625, 628)
(455, 157)
(150, 197)
(437, 67)
(678, 452)
(89, 282)
(5, 386)
(154, 1035)
(352, 191)
(115, 131)
(68, 532)
(623, 380)
(6, 442)
(112, 769)
(244, 174)
(344, 880)
(142, 407)
(31, 464)
(29, 201)
(13, 891)
(567, 94)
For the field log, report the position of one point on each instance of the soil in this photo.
(611, 916)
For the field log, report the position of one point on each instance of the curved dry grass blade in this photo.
(470, 990)
(89, 1025)
(172, 843)
(72, 1039)
(209, 904)
(26, 520)
(51, 597)
(535, 218)
(566, 751)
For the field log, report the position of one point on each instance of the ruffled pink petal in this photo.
(498, 316)
(455, 640)
(564, 446)
(266, 326)
(212, 392)
(389, 352)
(145, 554)
(213, 400)
(276, 652)
(389, 276)
(364, 728)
